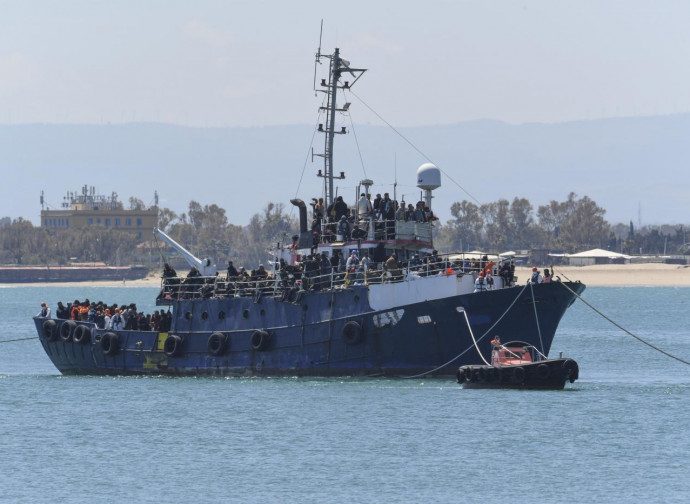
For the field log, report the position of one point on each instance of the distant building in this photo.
(594, 256)
(89, 209)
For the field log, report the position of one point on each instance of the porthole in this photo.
(356, 299)
(263, 312)
(221, 315)
(245, 313)
(204, 315)
(188, 315)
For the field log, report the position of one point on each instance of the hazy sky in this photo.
(251, 63)
(246, 63)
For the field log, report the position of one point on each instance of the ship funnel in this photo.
(303, 226)
(428, 178)
(305, 236)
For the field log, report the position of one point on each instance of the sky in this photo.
(250, 63)
(213, 63)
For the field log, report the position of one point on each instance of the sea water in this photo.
(619, 434)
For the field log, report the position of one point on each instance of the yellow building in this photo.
(89, 209)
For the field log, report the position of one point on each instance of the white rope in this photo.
(534, 304)
(470, 347)
(473, 340)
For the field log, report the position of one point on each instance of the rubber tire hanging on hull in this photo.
(110, 343)
(571, 370)
(66, 330)
(519, 374)
(217, 344)
(352, 333)
(81, 335)
(50, 332)
(260, 340)
(543, 371)
(173, 345)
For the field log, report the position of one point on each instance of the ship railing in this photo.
(333, 278)
(377, 229)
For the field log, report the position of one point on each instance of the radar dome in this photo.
(428, 177)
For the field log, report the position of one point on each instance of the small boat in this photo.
(519, 365)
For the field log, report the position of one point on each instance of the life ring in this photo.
(260, 340)
(519, 374)
(543, 371)
(66, 330)
(571, 370)
(172, 345)
(81, 334)
(217, 343)
(110, 343)
(352, 333)
(50, 330)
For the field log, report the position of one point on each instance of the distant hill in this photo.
(626, 165)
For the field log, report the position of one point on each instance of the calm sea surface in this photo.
(619, 434)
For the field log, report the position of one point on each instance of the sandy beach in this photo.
(620, 275)
(601, 275)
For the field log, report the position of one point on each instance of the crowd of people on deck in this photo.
(339, 222)
(114, 317)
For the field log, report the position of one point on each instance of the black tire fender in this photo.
(110, 343)
(217, 343)
(571, 370)
(172, 345)
(81, 334)
(519, 374)
(352, 333)
(66, 330)
(260, 340)
(543, 371)
(50, 332)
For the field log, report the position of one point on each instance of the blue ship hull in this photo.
(323, 333)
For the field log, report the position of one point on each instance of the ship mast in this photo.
(338, 66)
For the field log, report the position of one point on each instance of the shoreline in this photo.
(618, 275)
(599, 275)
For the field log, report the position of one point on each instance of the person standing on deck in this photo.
(45, 311)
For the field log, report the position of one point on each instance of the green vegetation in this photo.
(570, 226)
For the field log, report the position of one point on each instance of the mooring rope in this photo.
(667, 354)
(474, 340)
(536, 317)
(471, 346)
(18, 339)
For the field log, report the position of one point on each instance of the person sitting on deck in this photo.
(358, 233)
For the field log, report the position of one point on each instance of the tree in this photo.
(136, 204)
(464, 230)
(165, 218)
(496, 224)
(585, 227)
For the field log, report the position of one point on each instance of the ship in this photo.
(396, 308)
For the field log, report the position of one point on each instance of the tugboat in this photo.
(519, 365)
(395, 308)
